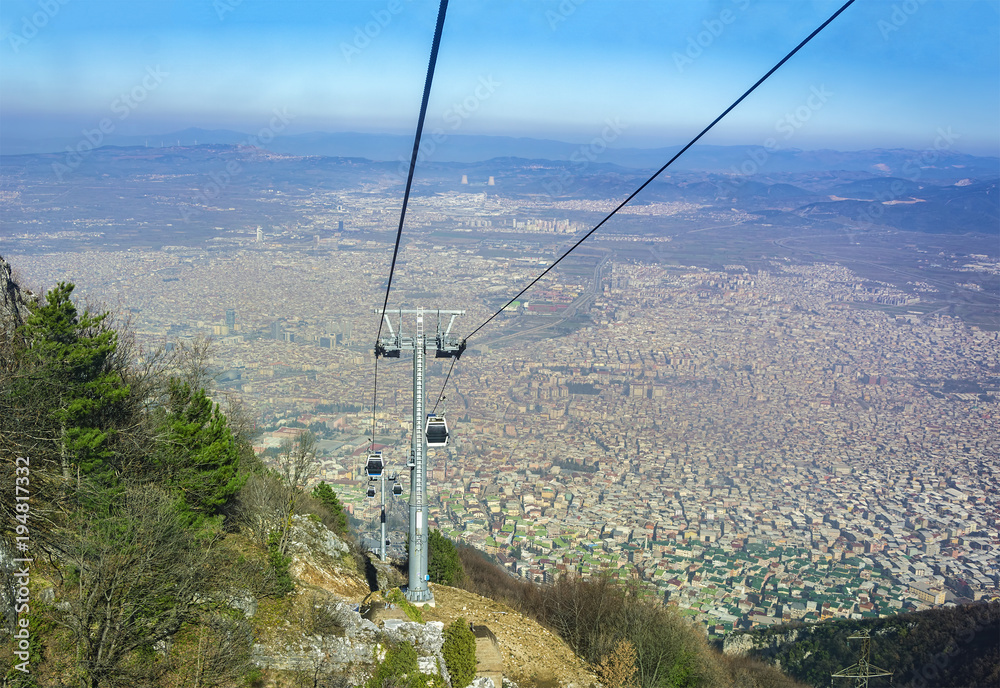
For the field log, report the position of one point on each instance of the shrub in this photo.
(618, 669)
(280, 563)
(459, 652)
(400, 661)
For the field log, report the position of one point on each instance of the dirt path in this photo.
(532, 655)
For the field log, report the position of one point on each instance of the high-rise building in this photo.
(275, 330)
(231, 319)
(340, 225)
(260, 235)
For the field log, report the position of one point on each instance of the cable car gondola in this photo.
(374, 465)
(397, 489)
(371, 491)
(436, 431)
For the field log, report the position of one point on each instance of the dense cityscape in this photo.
(791, 441)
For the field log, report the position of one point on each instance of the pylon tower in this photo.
(863, 669)
(446, 346)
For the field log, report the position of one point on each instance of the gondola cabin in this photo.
(436, 431)
(397, 489)
(374, 464)
(371, 491)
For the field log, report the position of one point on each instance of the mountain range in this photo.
(937, 162)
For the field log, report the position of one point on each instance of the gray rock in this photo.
(310, 538)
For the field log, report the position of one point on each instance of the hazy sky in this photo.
(893, 73)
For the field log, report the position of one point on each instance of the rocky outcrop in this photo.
(323, 560)
(349, 645)
(741, 644)
(354, 653)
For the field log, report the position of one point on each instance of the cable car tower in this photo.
(863, 669)
(375, 468)
(446, 346)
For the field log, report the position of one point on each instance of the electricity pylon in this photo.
(863, 669)
(446, 346)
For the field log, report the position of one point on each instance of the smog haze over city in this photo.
(785, 349)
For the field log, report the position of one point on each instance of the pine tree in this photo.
(200, 457)
(325, 494)
(443, 565)
(70, 359)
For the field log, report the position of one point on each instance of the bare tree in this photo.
(223, 656)
(260, 506)
(191, 362)
(297, 464)
(269, 499)
(131, 579)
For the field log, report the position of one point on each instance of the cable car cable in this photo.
(669, 162)
(447, 377)
(442, 10)
(655, 175)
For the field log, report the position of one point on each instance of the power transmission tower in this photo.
(864, 669)
(446, 346)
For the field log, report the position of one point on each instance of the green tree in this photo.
(71, 363)
(459, 650)
(200, 456)
(325, 494)
(443, 565)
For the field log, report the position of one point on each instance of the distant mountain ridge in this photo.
(466, 148)
(917, 204)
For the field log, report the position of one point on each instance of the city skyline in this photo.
(882, 75)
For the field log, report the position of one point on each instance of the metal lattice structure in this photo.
(863, 669)
(383, 477)
(445, 346)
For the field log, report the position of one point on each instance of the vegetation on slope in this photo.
(957, 646)
(618, 630)
(137, 484)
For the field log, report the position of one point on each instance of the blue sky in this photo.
(887, 73)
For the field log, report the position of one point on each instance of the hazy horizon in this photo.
(883, 75)
(167, 139)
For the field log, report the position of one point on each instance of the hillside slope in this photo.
(532, 655)
(943, 648)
